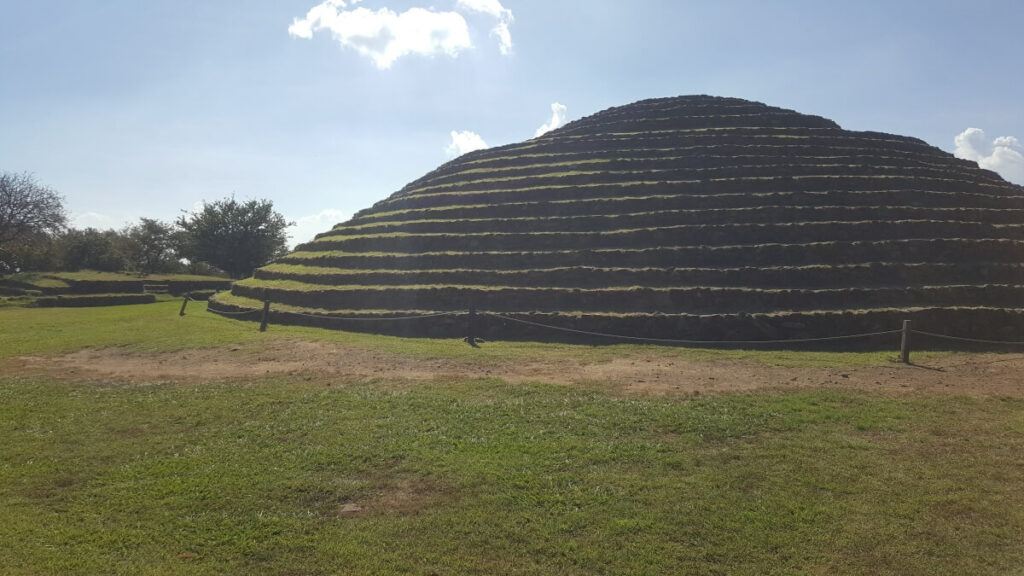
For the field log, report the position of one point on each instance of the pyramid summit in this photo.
(695, 217)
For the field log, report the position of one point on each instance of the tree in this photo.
(34, 252)
(91, 249)
(28, 212)
(148, 246)
(236, 237)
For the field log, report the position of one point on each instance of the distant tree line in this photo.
(226, 236)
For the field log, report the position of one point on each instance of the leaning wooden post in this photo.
(266, 313)
(905, 343)
(184, 303)
(471, 338)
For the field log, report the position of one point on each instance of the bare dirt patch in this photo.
(402, 496)
(647, 373)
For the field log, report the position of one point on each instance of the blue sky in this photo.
(144, 108)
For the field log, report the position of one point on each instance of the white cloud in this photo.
(502, 30)
(384, 36)
(464, 142)
(1004, 155)
(558, 115)
(307, 227)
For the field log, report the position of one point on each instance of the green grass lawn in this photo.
(327, 475)
(158, 328)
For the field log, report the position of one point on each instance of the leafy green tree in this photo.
(236, 237)
(35, 252)
(148, 246)
(91, 249)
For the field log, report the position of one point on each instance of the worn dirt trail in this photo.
(636, 373)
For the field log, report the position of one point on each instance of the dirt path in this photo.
(639, 373)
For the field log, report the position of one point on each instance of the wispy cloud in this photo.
(384, 36)
(307, 227)
(558, 116)
(1004, 155)
(464, 142)
(502, 30)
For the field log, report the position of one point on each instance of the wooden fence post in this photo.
(184, 303)
(471, 338)
(905, 343)
(266, 313)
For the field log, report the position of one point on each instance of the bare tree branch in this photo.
(27, 208)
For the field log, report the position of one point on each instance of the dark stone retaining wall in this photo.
(984, 323)
(89, 300)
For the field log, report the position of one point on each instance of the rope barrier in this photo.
(972, 340)
(623, 337)
(325, 316)
(390, 319)
(225, 313)
(695, 342)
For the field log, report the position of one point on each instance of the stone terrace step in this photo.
(695, 166)
(614, 143)
(661, 218)
(682, 235)
(744, 255)
(969, 321)
(898, 199)
(478, 182)
(695, 300)
(496, 193)
(878, 274)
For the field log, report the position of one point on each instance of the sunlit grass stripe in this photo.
(761, 120)
(709, 216)
(560, 316)
(675, 152)
(743, 134)
(636, 109)
(752, 132)
(371, 216)
(696, 234)
(687, 164)
(302, 255)
(305, 269)
(654, 140)
(655, 154)
(802, 159)
(751, 254)
(710, 300)
(798, 160)
(229, 299)
(905, 171)
(971, 184)
(661, 116)
(864, 275)
(296, 286)
(678, 227)
(500, 153)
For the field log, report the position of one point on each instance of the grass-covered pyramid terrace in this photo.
(693, 218)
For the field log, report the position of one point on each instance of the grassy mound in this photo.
(693, 218)
(93, 282)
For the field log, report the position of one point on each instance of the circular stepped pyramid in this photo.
(687, 218)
